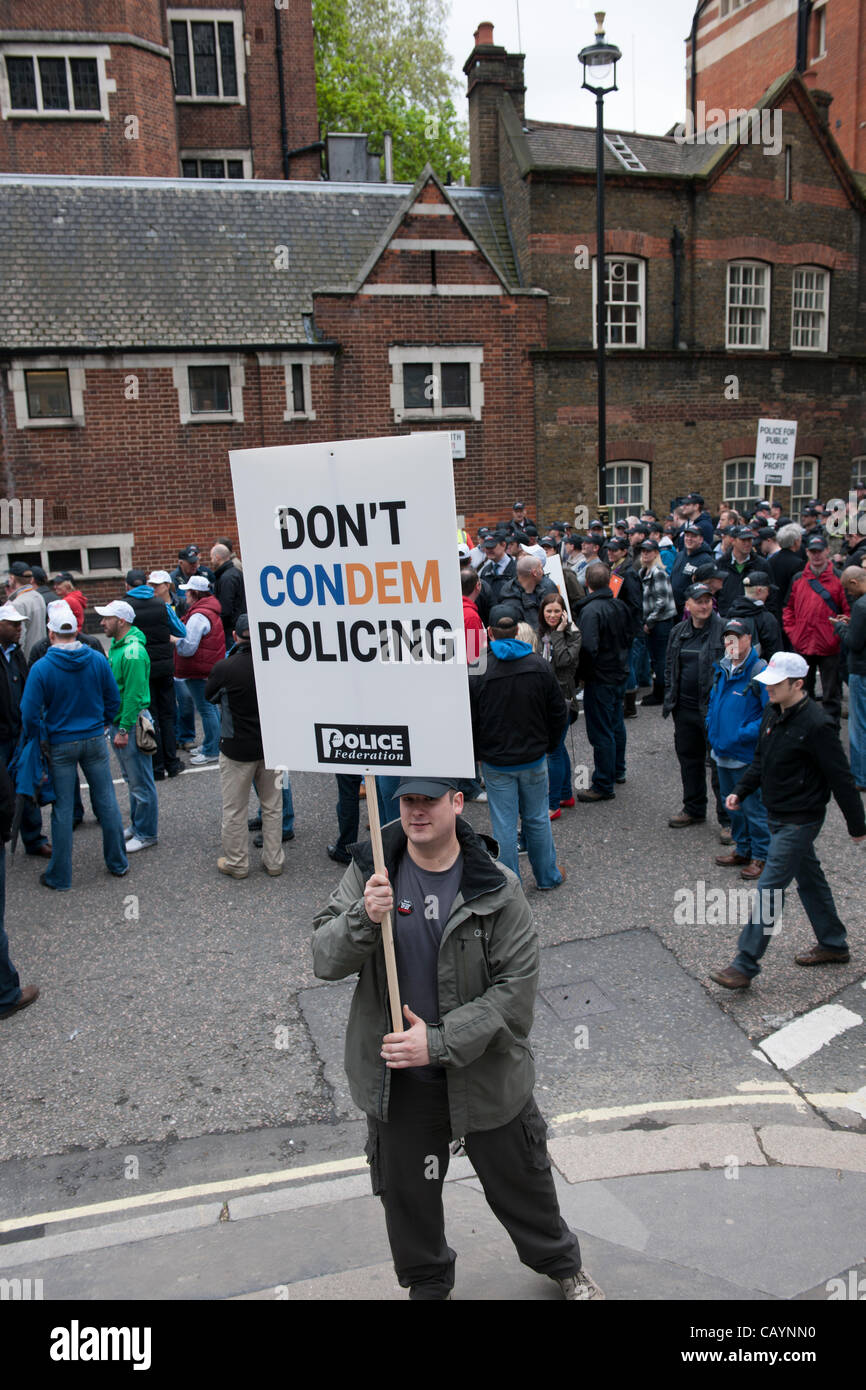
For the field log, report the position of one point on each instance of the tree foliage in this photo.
(382, 65)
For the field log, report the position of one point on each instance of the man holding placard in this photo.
(467, 965)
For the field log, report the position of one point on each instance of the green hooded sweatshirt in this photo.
(130, 666)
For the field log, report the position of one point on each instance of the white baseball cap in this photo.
(464, 550)
(198, 582)
(61, 617)
(118, 609)
(9, 613)
(784, 666)
(159, 577)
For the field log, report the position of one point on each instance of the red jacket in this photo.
(476, 637)
(77, 602)
(807, 615)
(211, 648)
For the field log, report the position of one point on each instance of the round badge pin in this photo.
(404, 907)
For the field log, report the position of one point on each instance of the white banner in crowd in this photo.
(774, 453)
(355, 608)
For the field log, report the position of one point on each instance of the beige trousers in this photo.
(236, 779)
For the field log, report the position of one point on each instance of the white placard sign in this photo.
(356, 614)
(774, 454)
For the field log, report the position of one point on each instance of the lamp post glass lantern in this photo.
(599, 61)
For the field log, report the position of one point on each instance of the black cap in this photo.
(591, 540)
(189, 552)
(742, 533)
(549, 543)
(518, 506)
(38, 574)
(531, 530)
(501, 614)
(810, 511)
(697, 591)
(708, 571)
(816, 543)
(491, 542)
(766, 533)
(648, 545)
(639, 528)
(483, 531)
(694, 497)
(596, 525)
(19, 568)
(434, 787)
(739, 627)
(757, 579)
(557, 526)
(692, 530)
(617, 543)
(133, 578)
(65, 577)
(574, 539)
(242, 624)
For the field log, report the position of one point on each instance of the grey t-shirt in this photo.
(422, 905)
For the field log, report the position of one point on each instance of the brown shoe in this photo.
(232, 870)
(822, 955)
(685, 819)
(728, 861)
(554, 886)
(730, 978)
(593, 795)
(753, 870)
(726, 835)
(29, 995)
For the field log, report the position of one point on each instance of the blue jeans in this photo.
(184, 712)
(639, 672)
(857, 727)
(31, 821)
(92, 754)
(512, 792)
(605, 729)
(657, 645)
(210, 718)
(791, 856)
(10, 985)
(389, 803)
(348, 808)
(749, 824)
(559, 774)
(137, 769)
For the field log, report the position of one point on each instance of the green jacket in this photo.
(488, 976)
(130, 666)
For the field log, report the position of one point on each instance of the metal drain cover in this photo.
(577, 999)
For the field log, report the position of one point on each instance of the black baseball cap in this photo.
(707, 571)
(738, 626)
(639, 528)
(64, 575)
(742, 533)
(501, 615)
(549, 543)
(766, 533)
(692, 530)
(810, 511)
(531, 530)
(189, 552)
(242, 624)
(518, 506)
(434, 787)
(557, 526)
(816, 543)
(19, 568)
(694, 497)
(491, 542)
(648, 545)
(617, 543)
(757, 579)
(697, 591)
(591, 540)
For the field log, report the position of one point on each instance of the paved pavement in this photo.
(182, 1045)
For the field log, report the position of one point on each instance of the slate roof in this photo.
(95, 264)
(554, 146)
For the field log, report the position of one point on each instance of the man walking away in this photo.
(737, 703)
(73, 689)
(130, 666)
(798, 762)
(605, 630)
(518, 715)
(232, 684)
(467, 969)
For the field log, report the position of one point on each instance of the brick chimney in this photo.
(493, 76)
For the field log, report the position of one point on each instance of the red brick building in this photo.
(733, 280)
(133, 88)
(157, 324)
(737, 48)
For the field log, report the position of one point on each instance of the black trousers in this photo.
(408, 1159)
(690, 743)
(162, 708)
(831, 684)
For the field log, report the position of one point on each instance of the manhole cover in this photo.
(577, 999)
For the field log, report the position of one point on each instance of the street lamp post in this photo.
(599, 76)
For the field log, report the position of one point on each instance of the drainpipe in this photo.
(284, 129)
(804, 14)
(677, 249)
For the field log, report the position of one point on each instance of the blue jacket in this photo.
(75, 690)
(736, 706)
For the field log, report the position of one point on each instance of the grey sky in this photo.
(651, 75)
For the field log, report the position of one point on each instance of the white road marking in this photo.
(182, 1194)
(833, 1100)
(808, 1034)
(617, 1112)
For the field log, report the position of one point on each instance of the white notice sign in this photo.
(774, 455)
(355, 608)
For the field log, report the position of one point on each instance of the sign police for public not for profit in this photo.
(774, 453)
(355, 607)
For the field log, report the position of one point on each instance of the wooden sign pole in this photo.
(397, 1023)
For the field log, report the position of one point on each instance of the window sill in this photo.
(290, 415)
(55, 116)
(218, 418)
(64, 422)
(208, 101)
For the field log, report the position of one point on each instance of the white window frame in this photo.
(800, 496)
(819, 10)
(764, 344)
(107, 85)
(246, 157)
(234, 17)
(825, 312)
(641, 305)
(180, 377)
(858, 469)
(290, 413)
(123, 541)
(18, 386)
(738, 500)
(436, 356)
(631, 507)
